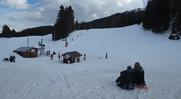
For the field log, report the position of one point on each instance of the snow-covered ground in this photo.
(42, 78)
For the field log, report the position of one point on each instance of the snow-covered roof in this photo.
(74, 54)
(24, 49)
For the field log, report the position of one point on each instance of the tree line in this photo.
(37, 31)
(64, 23)
(116, 20)
(160, 14)
(157, 16)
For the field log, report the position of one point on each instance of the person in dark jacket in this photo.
(138, 75)
(51, 56)
(125, 80)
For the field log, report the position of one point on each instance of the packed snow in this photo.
(93, 78)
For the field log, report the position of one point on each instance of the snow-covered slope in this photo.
(41, 78)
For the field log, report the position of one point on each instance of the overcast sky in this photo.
(21, 14)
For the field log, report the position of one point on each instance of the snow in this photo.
(94, 78)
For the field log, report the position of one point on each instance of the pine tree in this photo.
(70, 19)
(176, 15)
(163, 13)
(59, 25)
(176, 5)
(157, 15)
(64, 24)
(148, 15)
(6, 31)
(76, 25)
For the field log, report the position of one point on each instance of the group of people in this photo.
(10, 59)
(131, 78)
(48, 53)
(51, 56)
(174, 36)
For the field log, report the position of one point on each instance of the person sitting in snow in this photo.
(138, 75)
(125, 80)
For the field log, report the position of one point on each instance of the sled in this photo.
(142, 87)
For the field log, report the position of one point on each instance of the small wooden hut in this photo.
(71, 57)
(27, 52)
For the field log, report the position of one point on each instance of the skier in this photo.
(66, 44)
(84, 56)
(106, 55)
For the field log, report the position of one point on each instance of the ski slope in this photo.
(94, 78)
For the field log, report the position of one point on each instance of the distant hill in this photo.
(116, 20)
(37, 31)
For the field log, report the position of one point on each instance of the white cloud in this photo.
(44, 12)
(94, 16)
(86, 8)
(20, 4)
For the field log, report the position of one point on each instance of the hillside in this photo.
(35, 31)
(42, 78)
(116, 20)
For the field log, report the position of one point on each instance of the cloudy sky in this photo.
(21, 14)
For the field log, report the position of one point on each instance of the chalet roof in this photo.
(24, 49)
(73, 54)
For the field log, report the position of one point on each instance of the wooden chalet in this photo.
(27, 52)
(71, 57)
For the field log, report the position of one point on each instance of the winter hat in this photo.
(138, 67)
(129, 68)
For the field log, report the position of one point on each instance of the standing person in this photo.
(84, 56)
(106, 55)
(13, 59)
(59, 56)
(66, 43)
(125, 80)
(138, 75)
(51, 56)
(54, 53)
(49, 53)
